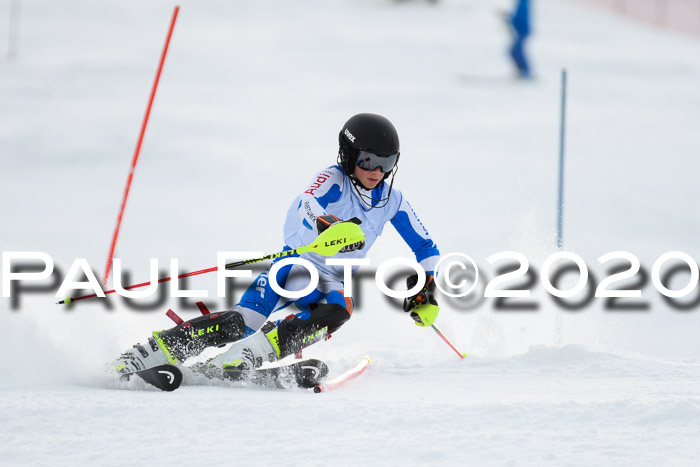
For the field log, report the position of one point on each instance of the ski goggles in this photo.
(370, 161)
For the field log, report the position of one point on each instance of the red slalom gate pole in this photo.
(135, 159)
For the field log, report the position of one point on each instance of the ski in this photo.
(303, 374)
(164, 377)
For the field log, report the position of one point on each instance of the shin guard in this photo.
(308, 327)
(190, 338)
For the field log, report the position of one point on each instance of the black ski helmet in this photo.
(367, 132)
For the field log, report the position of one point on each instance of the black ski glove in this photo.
(326, 220)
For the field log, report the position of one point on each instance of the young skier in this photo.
(354, 190)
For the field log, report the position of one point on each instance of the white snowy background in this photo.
(250, 103)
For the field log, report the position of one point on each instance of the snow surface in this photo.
(250, 103)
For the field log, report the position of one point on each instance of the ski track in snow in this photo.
(251, 90)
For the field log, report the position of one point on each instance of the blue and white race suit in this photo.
(331, 191)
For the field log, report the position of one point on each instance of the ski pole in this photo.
(328, 243)
(447, 341)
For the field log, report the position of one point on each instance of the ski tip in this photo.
(464, 355)
(165, 377)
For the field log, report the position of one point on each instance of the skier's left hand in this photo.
(423, 306)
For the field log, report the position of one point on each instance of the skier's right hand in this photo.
(325, 221)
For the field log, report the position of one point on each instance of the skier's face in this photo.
(369, 178)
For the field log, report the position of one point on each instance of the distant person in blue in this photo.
(519, 23)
